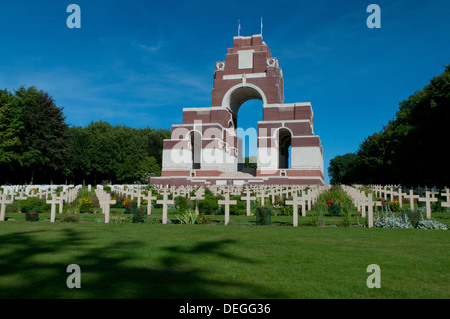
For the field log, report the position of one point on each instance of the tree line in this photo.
(410, 149)
(37, 146)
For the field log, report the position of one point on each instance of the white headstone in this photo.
(227, 202)
(165, 201)
(53, 201)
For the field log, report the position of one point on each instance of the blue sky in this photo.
(139, 63)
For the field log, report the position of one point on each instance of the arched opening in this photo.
(196, 144)
(246, 124)
(284, 148)
(250, 113)
(241, 93)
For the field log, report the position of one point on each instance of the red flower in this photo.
(329, 202)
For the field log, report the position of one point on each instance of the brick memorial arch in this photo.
(205, 149)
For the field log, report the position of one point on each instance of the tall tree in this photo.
(11, 127)
(43, 137)
(410, 150)
(342, 169)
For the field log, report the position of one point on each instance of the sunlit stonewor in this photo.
(205, 148)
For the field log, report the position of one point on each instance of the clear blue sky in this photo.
(139, 63)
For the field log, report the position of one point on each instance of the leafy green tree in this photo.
(103, 152)
(342, 168)
(77, 161)
(37, 146)
(410, 149)
(43, 139)
(135, 167)
(11, 128)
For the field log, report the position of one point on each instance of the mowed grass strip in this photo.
(216, 261)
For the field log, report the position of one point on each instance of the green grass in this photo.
(215, 261)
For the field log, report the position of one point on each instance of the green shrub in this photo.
(115, 219)
(87, 200)
(188, 217)
(240, 208)
(345, 216)
(315, 219)
(337, 195)
(392, 222)
(119, 199)
(130, 206)
(283, 210)
(334, 209)
(209, 205)
(263, 216)
(437, 207)
(431, 224)
(139, 216)
(412, 216)
(181, 203)
(34, 203)
(394, 206)
(203, 219)
(32, 216)
(70, 217)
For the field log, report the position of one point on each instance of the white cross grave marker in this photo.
(446, 194)
(105, 202)
(400, 196)
(227, 202)
(370, 203)
(199, 195)
(53, 201)
(149, 199)
(165, 201)
(262, 195)
(411, 197)
(248, 199)
(428, 199)
(295, 202)
(3, 202)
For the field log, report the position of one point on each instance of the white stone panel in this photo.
(267, 157)
(306, 158)
(245, 60)
(177, 159)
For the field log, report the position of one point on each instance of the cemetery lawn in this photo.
(216, 261)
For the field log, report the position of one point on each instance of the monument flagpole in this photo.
(261, 26)
(239, 28)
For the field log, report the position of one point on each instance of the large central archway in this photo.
(249, 114)
(246, 130)
(241, 93)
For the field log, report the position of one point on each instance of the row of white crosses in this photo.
(300, 197)
(428, 198)
(362, 201)
(104, 200)
(299, 194)
(305, 198)
(68, 196)
(138, 194)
